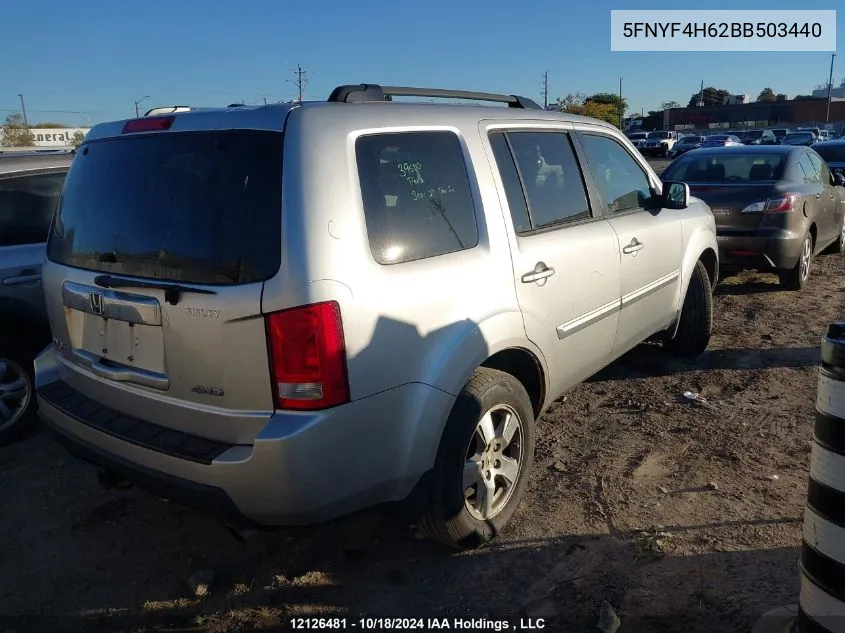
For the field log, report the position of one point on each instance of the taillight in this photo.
(783, 203)
(308, 357)
(151, 124)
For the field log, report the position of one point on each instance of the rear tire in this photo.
(696, 323)
(487, 447)
(797, 277)
(17, 391)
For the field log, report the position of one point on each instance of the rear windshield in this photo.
(726, 168)
(831, 153)
(717, 139)
(199, 207)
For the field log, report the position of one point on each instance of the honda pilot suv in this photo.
(283, 314)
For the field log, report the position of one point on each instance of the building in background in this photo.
(836, 92)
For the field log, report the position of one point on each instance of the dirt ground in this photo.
(618, 457)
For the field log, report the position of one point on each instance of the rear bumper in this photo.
(301, 469)
(767, 253)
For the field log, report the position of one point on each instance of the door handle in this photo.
(633, 247)
(21, 279)
(537, 275)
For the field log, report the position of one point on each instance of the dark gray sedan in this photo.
(776, 207)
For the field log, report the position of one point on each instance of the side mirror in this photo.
(675, 195)
(839, 179)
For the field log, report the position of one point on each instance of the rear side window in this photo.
(27, 204)
(821, 168)
(416, 194)
(199, 207)
(553, 181)
(808, 170)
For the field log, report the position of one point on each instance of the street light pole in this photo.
(829, 88)
(23, 110)
(621, 107)
(138, 102)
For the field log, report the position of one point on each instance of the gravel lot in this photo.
(619, 455)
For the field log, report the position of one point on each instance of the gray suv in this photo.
(283, 314)
(30, 185)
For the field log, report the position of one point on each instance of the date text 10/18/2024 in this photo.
(417, 624)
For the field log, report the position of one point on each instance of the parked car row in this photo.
(283, 355)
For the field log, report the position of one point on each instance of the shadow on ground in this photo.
(369, 566)
(652, 360)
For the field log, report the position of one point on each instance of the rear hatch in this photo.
(154, 275)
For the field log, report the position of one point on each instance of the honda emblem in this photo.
(96, 300)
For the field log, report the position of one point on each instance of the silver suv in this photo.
(286, 313)
(30, 185)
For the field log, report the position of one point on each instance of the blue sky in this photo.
(87, 61)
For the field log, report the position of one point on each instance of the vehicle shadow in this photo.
(748, 288)
(562, 580)
(649, 360)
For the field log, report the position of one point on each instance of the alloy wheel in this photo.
(806, 255)
(15, 392)
(494, 461)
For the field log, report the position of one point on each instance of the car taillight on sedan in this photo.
(308, 357)
(784, 203)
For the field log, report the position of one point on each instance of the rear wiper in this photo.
(172, 292)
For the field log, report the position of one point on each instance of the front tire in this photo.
(796, 278)
(17, 392)
(483, 462)
(696, 323)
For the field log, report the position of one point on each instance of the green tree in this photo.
(578, 103)
(77, 138)
(668, 105)
(608, 98)
(766, 94)
(710, 96)
(14, 133)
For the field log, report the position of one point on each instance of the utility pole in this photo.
(23, 110)
(829, 88)
(621, 107)
(301, 80)
(701, 95)
(546, 90)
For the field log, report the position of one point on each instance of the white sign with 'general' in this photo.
(56, 137)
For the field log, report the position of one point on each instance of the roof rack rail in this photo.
(358, 93)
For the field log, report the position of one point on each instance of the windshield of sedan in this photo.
(717, 139)
(727, 168)
(690, 140)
